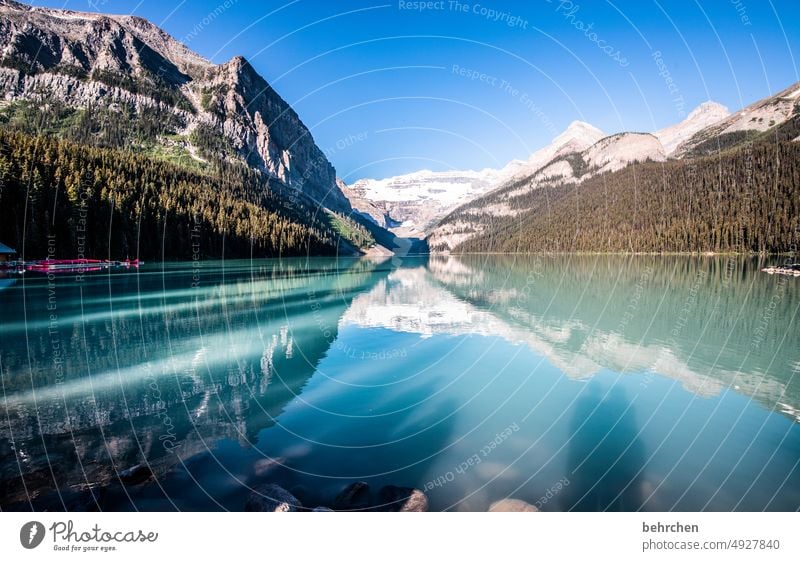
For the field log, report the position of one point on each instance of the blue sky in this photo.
(389, 87)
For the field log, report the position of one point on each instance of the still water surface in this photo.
(573, 383)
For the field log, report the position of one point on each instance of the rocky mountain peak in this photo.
(63, 41)
(232, 72)
(186, 59)
(14, 5)
(702, 117)
(709, 109)
(580, 126)
(619, 150)
(577, 137)
(581, 133)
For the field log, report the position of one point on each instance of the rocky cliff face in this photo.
(92, 60)
(37, 40)
(617, 151)
(374, 211)
(268, 132)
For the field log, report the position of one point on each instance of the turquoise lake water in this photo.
(570, 382)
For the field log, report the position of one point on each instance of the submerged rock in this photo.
(265, 466)
(512, 505)
(136, 474)
(402, 499)
(271, 498)
(322, 509)
(356, 496)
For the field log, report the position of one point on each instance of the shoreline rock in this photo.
(402, 499)
(356, 496)
(512, 505)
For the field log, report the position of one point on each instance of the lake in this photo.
(571, 382)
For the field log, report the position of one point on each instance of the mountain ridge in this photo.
(703, 116)
(553, 162)
(550, 162)
(757, 117)
(707, 129)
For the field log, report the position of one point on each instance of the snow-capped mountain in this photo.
(705, 115)
(363, 206)
(411, 204)
(610, 153)
(580, 153)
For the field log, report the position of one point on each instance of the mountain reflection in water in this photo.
(574, 383)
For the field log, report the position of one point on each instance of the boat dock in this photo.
(66, 266)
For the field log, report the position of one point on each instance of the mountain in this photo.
(417, 203)
(582, 151)
(86, 59)
(707, 130)
(744, 200)
(411, 205)
(705, 115)
(121, 83)
(620, 150)
(578, 137)
(364, 207)
(573, 157)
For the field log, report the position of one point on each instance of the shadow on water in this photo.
(317, 470)
(605, 457)
(389, 450)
